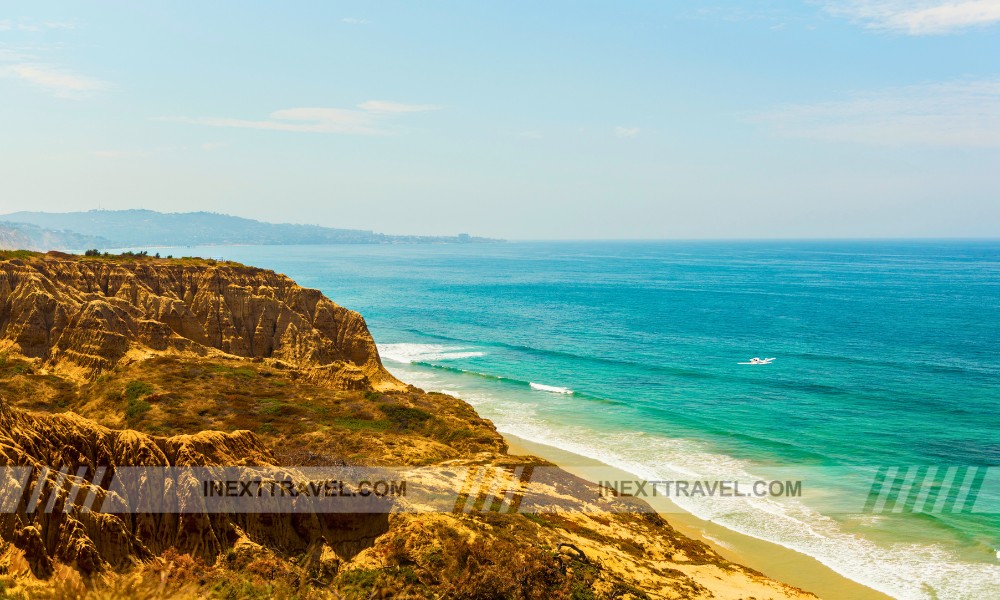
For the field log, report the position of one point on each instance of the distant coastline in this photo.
(104, 229)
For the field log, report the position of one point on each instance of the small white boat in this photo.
(758, 361)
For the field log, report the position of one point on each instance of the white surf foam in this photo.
(907, 571)
(411, 353)
(550, 388)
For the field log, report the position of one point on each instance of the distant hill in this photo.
(129, 228)
(25, 236)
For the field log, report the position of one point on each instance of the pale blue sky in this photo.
(836, 118)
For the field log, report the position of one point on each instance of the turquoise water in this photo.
(886, 355)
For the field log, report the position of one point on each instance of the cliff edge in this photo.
(116, 363)
(85, 316)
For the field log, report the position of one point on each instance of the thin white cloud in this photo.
(354, 21)
(14, 55)
(531, 134)
(962, 113)
(369, 120)
(918, 17)
(112, 153)
(771, 14)
(32, 26)
(626, 132)
(310, 120)
(62, 84)
(383, 106)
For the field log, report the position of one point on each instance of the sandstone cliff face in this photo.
(70, 461)
(92, 315)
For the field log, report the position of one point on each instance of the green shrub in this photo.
(355, 424)
(137, 389)
(360, 579)
(271, 408)
(136, 408)
(405, 417)
(134, 393)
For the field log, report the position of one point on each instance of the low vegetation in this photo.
(302, 415)
(172, 395)
(128, 255)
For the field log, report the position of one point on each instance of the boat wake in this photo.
(549, 388)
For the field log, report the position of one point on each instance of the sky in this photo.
(519, 120)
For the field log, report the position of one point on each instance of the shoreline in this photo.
(773, 560)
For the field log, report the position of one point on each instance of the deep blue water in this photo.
(887, 354)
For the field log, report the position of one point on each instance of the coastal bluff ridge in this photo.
(114, 362)
(92, 315)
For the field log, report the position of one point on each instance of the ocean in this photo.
(887, 355)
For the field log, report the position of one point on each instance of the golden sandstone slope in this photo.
(96, 314)
(109, 362)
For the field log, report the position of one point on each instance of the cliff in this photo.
(114, 363)
(88, 316)
(54, 524)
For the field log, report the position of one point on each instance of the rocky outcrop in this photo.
(56, 502)
(92, 315)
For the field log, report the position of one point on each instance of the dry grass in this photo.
(171, 395)
(126, 257)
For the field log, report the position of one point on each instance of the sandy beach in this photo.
(773, 560)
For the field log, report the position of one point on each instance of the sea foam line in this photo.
(906, 570)
(411, 353)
